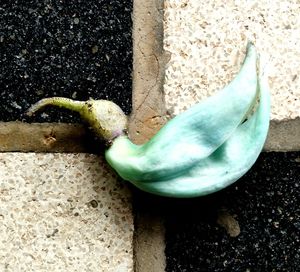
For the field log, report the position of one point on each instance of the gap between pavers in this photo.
(149, 114)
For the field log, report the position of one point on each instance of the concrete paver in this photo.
(63, 212)
(207, 41)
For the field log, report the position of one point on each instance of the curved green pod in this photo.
(198, 152)
(226, 164)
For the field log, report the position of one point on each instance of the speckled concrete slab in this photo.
(207, 40)
(63, 212)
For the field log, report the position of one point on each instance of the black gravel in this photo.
(76, 48)
(265, 203)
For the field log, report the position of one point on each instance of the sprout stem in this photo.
(61, 102)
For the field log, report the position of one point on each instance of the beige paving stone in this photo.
(207, 40)
(63, 212)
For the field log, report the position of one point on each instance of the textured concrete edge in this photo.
(149, 60)
(41, 137)
(147, 117)
(149, 242)
(284, 136)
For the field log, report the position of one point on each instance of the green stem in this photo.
(61, 102)
(104, 117)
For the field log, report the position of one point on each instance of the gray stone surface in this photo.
(63, 212)
(207, 41)
(147, 117)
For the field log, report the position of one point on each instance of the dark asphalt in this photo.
(266, 205)
(77, 49)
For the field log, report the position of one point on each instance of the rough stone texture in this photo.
(284, 136)
(148, 115)
(63, 212)
(77, 49)
(207, 40)
(149, 242)
(149, 67)
(253, 225)
(44, 137)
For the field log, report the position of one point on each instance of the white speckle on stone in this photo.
(95, 49)
(74, 95)
(76, 21)
(44, 115)
(16, 105)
